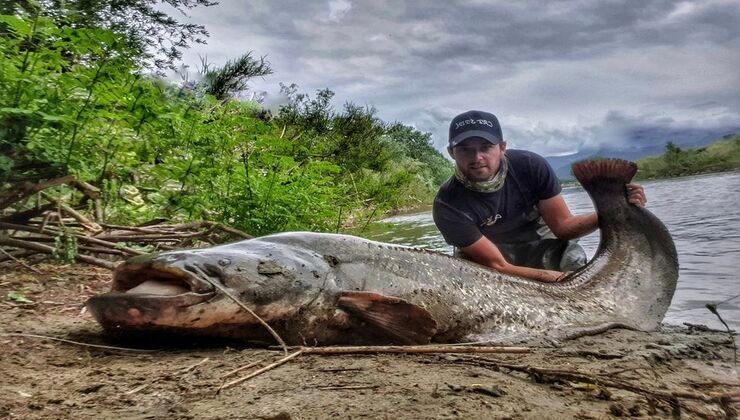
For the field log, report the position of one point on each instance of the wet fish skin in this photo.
(320, 288)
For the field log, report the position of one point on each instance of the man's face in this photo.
(478, 159)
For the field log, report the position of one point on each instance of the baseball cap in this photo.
(475, 124)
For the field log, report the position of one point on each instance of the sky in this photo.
(562, 76)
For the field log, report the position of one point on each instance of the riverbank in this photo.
(619, 372)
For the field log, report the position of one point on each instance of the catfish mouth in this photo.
(155, 282)
(145, 294)
(159, 280)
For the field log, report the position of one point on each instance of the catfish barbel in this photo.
(319, 288)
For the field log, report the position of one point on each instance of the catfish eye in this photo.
(223, 262)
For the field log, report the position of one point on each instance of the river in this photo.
(701, 212)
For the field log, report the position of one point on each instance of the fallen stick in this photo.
(133, 228)
(21, 253)
(98, 346)
(246, 308)
(209, 224)
(53, 232)
(337, 387)
(259, 371)
(411, 349)
(191, 367)
(19, 192)
(20, 262)
(137, 389)
(50, 250)
(241, 368)
(84, 221)
(25, 216)
(146, 237)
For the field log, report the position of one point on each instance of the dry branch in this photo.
(27, 189)
(77, 343)
(16, 243)
(412, 349)
(33, 230)
(84, 221)
(259, 371)
(20, 262)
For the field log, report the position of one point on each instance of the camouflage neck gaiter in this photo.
(492, 185)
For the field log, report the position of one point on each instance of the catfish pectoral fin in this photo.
(409, 323)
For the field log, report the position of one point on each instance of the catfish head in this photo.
(192, 292)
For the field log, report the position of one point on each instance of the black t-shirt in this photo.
(507, 216)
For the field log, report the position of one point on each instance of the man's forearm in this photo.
(532, 273)
(577, 226)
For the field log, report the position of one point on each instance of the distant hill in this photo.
(642, 143)
(719, 156)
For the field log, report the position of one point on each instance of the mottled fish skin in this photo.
(296, 282)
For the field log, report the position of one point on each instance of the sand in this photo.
(677, 370)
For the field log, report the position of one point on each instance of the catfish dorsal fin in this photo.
(403, 320)
(605, 170)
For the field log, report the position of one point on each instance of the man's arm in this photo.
(485, 252)
(565, 225)
(562, 222)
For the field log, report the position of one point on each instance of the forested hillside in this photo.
(82, 109)
(722, 155)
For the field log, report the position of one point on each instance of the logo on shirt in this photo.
(491, 220)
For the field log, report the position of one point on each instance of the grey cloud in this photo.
(560, 73)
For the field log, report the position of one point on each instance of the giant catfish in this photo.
(318, 288)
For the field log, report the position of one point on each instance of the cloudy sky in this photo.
(562, 76)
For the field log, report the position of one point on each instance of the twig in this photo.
(246, 308)
(83, 238)
(247, 366)
(20, 262)
(21, 253)
(99, 346)
(191, 367)
(84, 221)
(713, 309)
(260, 371)
(412, 349)
(174, 236)
(137, 389)
(336, 387)
(702, 327)
(50, 250)
(19, 192)
(354, 369)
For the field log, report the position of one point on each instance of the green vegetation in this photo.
(77, 99)
(722, 155)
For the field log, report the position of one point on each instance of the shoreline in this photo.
(616, 373)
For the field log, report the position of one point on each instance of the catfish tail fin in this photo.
(604, 171)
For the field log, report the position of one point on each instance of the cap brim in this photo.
(474, 133)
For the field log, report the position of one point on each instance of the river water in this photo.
(701, 212)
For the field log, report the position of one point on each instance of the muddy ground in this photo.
(634, 371)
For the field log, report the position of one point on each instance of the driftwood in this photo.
(34, 222)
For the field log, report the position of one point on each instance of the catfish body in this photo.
(316, 288)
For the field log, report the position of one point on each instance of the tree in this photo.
(233, 76)
(156, 37)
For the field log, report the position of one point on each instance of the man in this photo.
(503, 208)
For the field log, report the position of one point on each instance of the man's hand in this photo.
(550, 276)
(636, 195)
